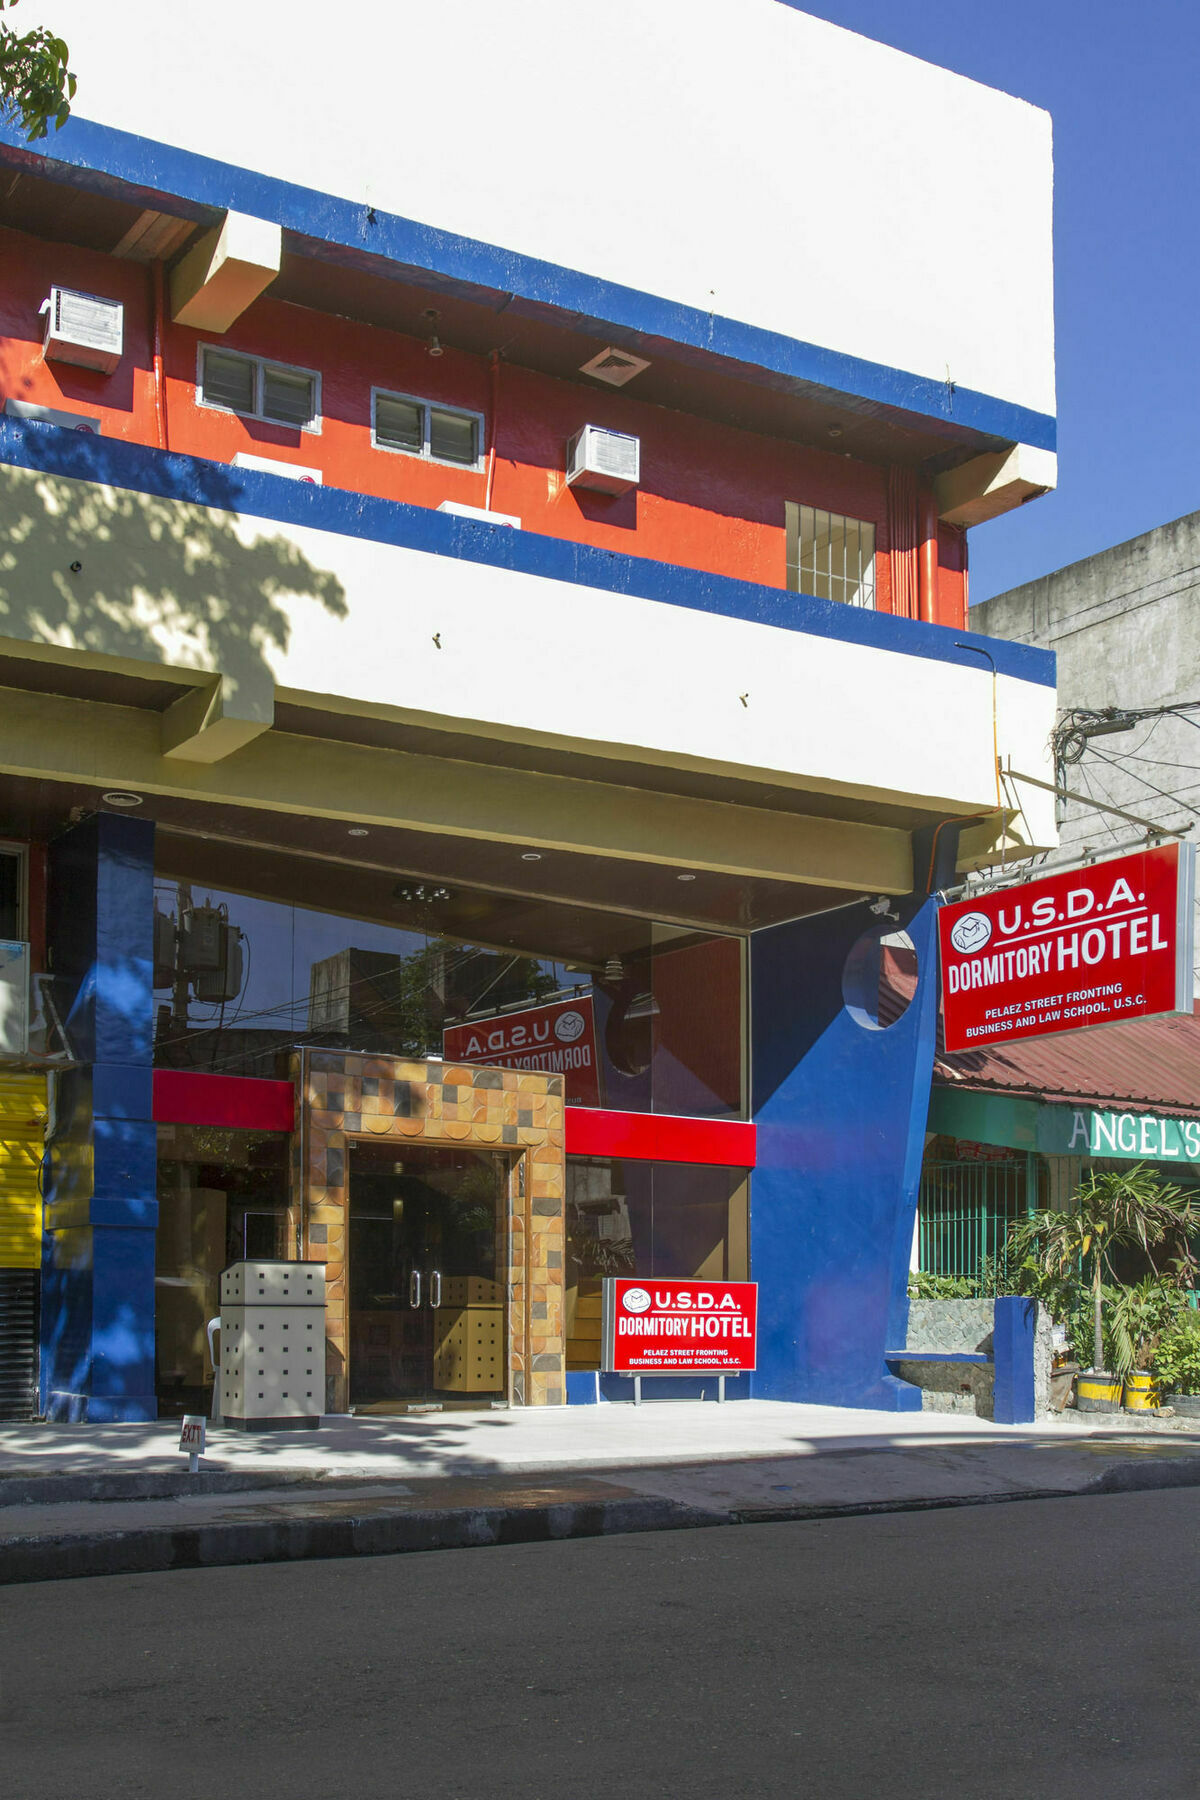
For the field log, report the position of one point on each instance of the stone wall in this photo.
(965, 1328)
(520, 1116)
(952, 1387)
(963, 1325)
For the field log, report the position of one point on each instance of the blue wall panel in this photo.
(101, 1201)
(841, 1110)
(1014, 1331)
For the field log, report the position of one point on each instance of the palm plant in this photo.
(1137, 1318)
(1128, 1208)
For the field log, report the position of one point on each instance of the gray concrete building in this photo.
(1125, 626)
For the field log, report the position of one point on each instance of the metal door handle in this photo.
(435, 1287)
(414, 1288)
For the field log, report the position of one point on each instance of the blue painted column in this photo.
(101, 1208)
(841, 1107)
(1014, 1330)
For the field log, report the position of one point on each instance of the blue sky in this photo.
(1120, 80)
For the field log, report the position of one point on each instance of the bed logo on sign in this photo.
(971, 932)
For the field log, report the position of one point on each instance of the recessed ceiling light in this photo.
(418, 894)
(531, 856)
(358, 831)
(685, 878)
(119, 797)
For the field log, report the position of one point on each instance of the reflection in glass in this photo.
(242, 980)
(639, 1218)
(428, 1275)
(222, 1197)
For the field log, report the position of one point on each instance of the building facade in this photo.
(1122, 627)
(487, 695)
(1016, 1128)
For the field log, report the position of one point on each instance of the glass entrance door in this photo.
(428, 1260)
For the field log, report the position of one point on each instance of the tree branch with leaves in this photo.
(36, 83)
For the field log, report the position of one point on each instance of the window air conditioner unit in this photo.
(461, 510)
(270, 465)
(14, 997)
(84, 329)
(50, 415)
(609, 462)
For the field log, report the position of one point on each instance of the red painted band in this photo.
(182, 1097)
(659, 1137)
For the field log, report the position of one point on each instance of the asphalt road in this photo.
(1047, 1648)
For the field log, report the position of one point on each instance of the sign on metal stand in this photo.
(191, 1440)
(652, 1327)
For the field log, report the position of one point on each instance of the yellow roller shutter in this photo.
(22, 1139)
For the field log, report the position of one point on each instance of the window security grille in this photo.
(829, 556)
(258, 389)
(418, 428)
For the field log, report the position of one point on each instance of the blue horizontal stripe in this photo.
(364, 237)
(195, 481)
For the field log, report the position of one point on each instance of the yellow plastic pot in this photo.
(1141, 1391)
(1098, 1392)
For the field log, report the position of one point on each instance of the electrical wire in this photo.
(257, 1020)
(1134, 776)
(297, 999)
(382, 1007)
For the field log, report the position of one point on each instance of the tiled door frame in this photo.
(343, 1096)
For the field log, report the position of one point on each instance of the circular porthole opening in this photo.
(879, 980)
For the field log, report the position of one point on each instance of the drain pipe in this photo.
(493, 403)
(927, 558)
(158, 305)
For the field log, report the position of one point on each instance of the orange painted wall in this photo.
(952, 576)
(712, 497)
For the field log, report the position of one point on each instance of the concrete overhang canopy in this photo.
(995, 483)
(225, 271)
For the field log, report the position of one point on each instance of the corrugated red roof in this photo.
(1142, 1063)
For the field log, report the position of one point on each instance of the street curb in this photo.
(1144, 1478)
(54, 1490)
(375, 1532)
(371, 1534)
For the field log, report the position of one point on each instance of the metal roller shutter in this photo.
(22, 1140)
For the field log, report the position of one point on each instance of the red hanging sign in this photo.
(1087, 947)
(653, 1327)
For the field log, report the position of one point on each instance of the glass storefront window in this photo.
(637, 1015)
(640, 1218)
(222, 1197)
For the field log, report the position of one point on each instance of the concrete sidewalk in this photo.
(110, 1500)
(523, 1440)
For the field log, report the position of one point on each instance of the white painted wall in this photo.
(733, 155)
(354, 624)
(601, 670)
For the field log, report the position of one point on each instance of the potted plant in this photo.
(1123, 1208)
(1176, 1363)
(1138, 1316)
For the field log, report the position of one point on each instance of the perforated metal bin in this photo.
(273, 1345)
